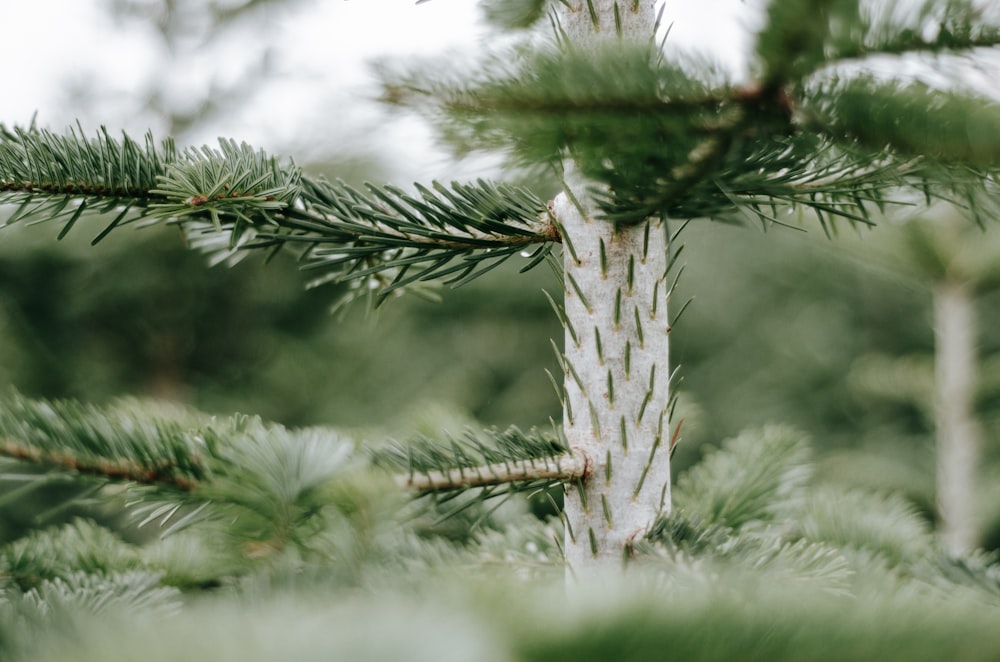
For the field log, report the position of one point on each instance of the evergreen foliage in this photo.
(675, 138)
(115, 444)
(817, 589)
(253, 540)
(79, 548)
(385, 238)
(709, 488)
(800, 38)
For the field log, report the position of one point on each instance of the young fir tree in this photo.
(956, 265)
(642, 143)
(941, 251)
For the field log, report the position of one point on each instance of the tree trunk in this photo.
(957, 443)
(617, 370)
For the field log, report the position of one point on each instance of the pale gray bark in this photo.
(616, 349)
(635, 18)
(957, 435)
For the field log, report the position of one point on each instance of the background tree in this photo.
(953, 259)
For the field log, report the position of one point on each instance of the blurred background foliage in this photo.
(785, 326)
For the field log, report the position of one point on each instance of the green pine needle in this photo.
(802, 36)
(670, 137)
(752, 477)
(77, 547)
(911, 118)
(234, 198)
(513, 14)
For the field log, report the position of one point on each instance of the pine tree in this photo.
(641, 143)
(956, 265)
(941, 251)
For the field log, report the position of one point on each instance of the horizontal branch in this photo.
(117, 469)
(563, 469)
(179, 450)
(661, 136)
(234, 198)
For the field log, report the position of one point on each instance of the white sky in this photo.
(55, 46)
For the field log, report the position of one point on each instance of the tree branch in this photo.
(118, 469)
(234, 198)
(188, 453)
(562, 469)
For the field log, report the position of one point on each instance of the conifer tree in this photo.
(941, 250)
(641, 142)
